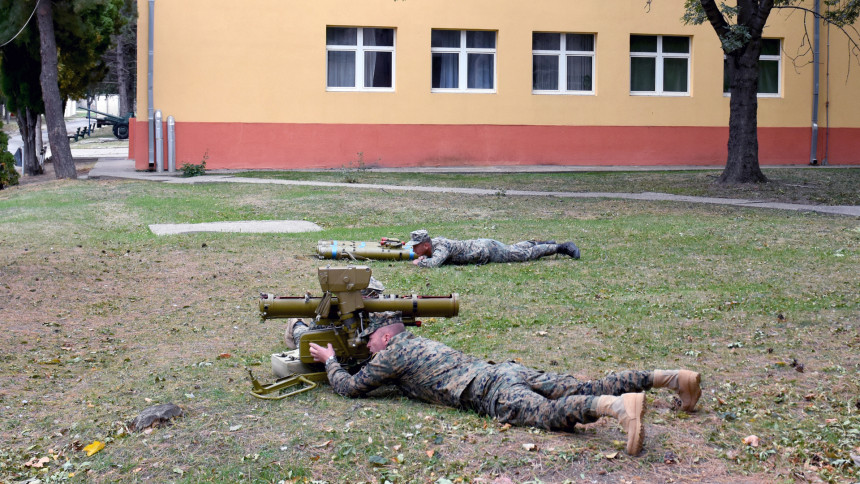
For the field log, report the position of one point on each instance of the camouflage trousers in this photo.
(519, 252)
(521, 396)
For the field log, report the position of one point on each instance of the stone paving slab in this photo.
(248, 227)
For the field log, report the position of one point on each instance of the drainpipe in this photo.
(816, 61)
(151, 108)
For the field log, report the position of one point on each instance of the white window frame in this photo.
(660, 56)
(767, 57)
(359, 50)
(563, 54)
(463, 60)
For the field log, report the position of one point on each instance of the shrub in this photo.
(191, 169)
(8, 175)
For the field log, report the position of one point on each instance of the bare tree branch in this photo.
(718, 22)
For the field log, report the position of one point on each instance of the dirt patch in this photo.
(82, 167)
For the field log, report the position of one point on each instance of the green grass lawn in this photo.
(814, 185)
(102, 319)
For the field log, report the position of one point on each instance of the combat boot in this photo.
(569, 248)
(289, 338)
(629, 409)
(685, 382)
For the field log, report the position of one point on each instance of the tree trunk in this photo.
(742, 164)
(27, 127)
(121, 76)
(61, 154)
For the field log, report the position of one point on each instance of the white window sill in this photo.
(563, 93)
(465, 91)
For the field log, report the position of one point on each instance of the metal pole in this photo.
(816, 67)
(171, 144)
(149, 69)
(159, 143)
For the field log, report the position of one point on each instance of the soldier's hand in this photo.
(321, 354)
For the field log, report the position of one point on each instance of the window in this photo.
(659, 64)
(463, 60)
(769, 68)
(562, 63)
(359, 59)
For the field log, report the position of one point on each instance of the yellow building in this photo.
(310, 84)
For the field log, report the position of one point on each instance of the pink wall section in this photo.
(292, 146)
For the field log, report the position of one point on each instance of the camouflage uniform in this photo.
(430, 371)
(482, 251)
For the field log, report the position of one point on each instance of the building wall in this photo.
(246, 82)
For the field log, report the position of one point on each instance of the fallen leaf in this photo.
(179, 471)
(397, 447)
(38, 463)
(93, 448)
(324, 444)
(135, 471)
(147, 431)
(377, 460)
(505, 427)
(224, 355)
(430, 453)
(611, 455)
(235, 427)
(831, 420)
(541, 333)
(530, 447)
(751, 440)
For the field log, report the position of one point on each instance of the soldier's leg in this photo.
(521, 251)
(518, 405)
(684, 382)
(556, 385)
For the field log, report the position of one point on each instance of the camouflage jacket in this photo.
(423, 369)
(476, 251)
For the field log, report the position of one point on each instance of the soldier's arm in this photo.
(381, 370)
(440, 255)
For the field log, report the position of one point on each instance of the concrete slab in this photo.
(249, 227)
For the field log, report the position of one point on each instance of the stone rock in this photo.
(155, 416)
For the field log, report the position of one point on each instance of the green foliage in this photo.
(191, 169)
(83, 30)
(838, 12)
(8, 175)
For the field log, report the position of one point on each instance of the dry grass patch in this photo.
(103, 319)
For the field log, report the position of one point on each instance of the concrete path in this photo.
(125, 169)
(255, 227)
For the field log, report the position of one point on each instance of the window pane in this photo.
(643, 43)
(768, 77)
(377, 69)
(341, 69)
(545, 72)
(481, 39)
(579, 73)
(341, 36)
(382, 37)
(643, 72)
(580, 42)
(542, 41)
(445, 38)
(769, 46)
(480, 71)
(675, 75)
(446, 71)
(676, 45)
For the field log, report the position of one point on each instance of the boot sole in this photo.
(634, 407)
(690, 389)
